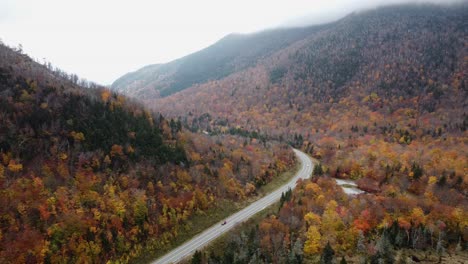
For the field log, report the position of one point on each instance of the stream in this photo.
(349, 187)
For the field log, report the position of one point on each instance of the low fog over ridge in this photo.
(118, 37)
(334, 10)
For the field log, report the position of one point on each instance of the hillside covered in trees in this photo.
(379, 97)
(88, 176)
(232, 53)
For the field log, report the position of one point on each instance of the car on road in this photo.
(223, 223)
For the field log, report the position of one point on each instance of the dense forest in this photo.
(89, 176)
(379, 97)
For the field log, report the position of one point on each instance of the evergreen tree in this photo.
(327, 254)
(442, 181)
(417, 171)
(318, 170)
(228, 257)
(213, 258)
(343, 261)
(197, 257)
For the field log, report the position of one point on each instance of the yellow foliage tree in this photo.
(417, 216)
(107, 160)
(332, 224)
(312, 219)
(105, 94)
(312, 244)
(130, 149)
(312, 189)
(77, 136)
(15, 167)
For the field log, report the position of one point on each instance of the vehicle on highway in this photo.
(223, 223)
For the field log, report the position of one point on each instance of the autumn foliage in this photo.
(378, 97)
(88, 176)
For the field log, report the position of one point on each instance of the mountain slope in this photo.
(404, 51)
(88, 176)
(379, 97)
(232, 53)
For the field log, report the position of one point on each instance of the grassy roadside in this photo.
(277, 182)
(223, 209)
(218, 245)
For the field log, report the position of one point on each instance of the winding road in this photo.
(202, 239)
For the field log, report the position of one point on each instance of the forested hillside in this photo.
(379, 97)
(88, 176)
(395, 54)
(233, 53)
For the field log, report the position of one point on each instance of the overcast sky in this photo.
(100, 40)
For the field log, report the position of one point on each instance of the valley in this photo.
(220, 145)
(379, 98)
(87, 175)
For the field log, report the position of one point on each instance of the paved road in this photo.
(202, 239)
